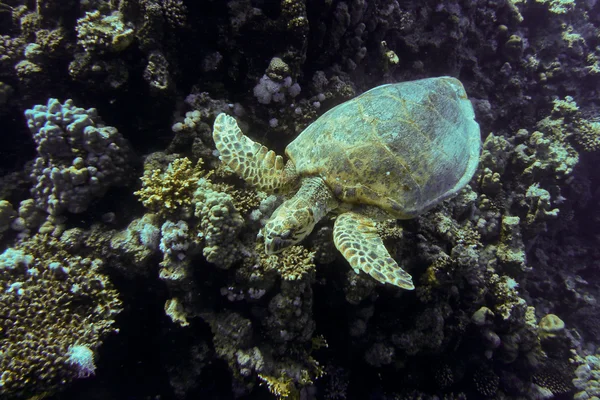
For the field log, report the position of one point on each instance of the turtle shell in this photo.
(401, 147)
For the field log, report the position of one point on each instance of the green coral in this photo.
(136, 245)
(550, 326)
(566, 106)
(11, 49)
(588, 135)
(572, 39)
(104, 33)
(220, 224)
(567, 121)
(558, 6)
(548, 151)
(594, 66)
(540, 208)
(508, 303)
(587, 378)
(7, 215)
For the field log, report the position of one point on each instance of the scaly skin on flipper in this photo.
(256, 164)
(355, 236)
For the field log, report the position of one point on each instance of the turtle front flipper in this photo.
(256, 164)
(356, 237)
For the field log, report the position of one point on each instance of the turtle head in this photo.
(287, 226)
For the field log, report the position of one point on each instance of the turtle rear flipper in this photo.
(256, 164)
(355, 236)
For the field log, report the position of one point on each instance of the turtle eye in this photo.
(285, 234)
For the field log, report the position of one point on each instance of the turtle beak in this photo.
(274, 245)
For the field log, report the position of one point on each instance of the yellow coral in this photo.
(172, 190)
(243, 200)
(588, 135)
(292, 264)
(430, 276)
(566, 106)
(389, 229)
(175, 310)
(315, 371)
(285, 387)
(318, 342)
(570, 37)
(550, 326)
(282, 387)
(278, 69)
(294, 11)
(594, 66)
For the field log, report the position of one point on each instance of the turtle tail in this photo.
(256, 164)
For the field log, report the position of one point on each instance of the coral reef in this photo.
(167, 257)
(57, 307)
(98, 33)
(79, 157)
(171, 191)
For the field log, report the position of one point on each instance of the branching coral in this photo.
(171, 192)
(282, 386)
(184, 191)
(292, 264)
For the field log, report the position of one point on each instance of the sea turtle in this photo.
(395, 151)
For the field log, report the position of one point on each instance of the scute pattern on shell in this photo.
(401, 147)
